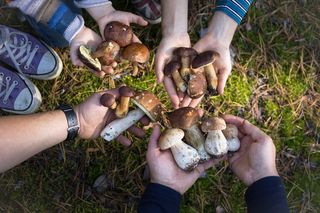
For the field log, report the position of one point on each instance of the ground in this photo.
(274, 84)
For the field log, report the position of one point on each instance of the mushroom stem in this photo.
(195, 138)
(135, 70)
(185, 156)
(181, 85)
(123, 107)
(185, 68)
(216, 144)
(116, 127)
(212, 79)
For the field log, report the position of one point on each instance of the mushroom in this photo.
(147, 103)
(215, 144)
(106, 52)
(231, 134)
(197, 85)
(205, 60)
(171, 69)
(84, 54)
(118, 32)
(187, 118)
(186, 55)
(186, 157)
(108, 100)
(125, 94)
(136, 53)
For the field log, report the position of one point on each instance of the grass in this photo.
(274, 84)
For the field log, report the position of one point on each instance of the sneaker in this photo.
(150, 10)
(17, 93)
(28, 55)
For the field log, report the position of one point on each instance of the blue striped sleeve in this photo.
(235, 9)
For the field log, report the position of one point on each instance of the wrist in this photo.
(99, 12)
(259, 176)
(72, 121)
(169, 185)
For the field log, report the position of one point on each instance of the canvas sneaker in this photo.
(17, 93)
(28, 55)
(150, 10)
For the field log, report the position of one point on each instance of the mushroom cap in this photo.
(126, 91)
(231, 131)
(184, 117)
(84, 54)
(185, 52)
(170, 137)
(118, 32)
(204, 59)
(213, 123)
(197, 85)
(107, 52)
(107, 99)
(149, 103)
(171, 67)
(136, 52)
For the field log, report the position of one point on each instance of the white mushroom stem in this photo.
(135, 68)
(195, 138)
(185, 156)
(233, 144)
(185, 68)
(211, 77)
(180, 84)
(116, 127)
(216, 144)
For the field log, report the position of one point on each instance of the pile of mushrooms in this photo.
(117, 46)
(192, 72)
(193, 141)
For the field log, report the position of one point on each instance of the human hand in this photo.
(86, 37)
(257, 154)
(93, 117)
(164, 170)
(164, 54)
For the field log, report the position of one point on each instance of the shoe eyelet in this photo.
(29, 42)
(36, 47)
(1, 74)
(26, 67)
(15, 82)
(8, 78)
(22, 39)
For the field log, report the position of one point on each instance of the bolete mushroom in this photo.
(108, 100)
(187, 118)
(197, 85)
(186, 55)
(125, 94)
(215, 144)
(136, 53)
(186, 157)
(231, 134)
(205, 60)
(172, 69)
(118, 32)
(84, 54)
(147, 103)
(106, 52)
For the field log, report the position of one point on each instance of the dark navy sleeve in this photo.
(159, 199)
(267, 195)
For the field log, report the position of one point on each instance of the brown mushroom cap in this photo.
(214, 123)
(197, 85)
(107, 99)
(184, 117)
(149, 104)
(204, 59)
(171, 67)
(118, 32)
(231, 131)
(185, 52)
(107, 52)
(136, 52)
(170, 137)
(126, 91)
(84, 54)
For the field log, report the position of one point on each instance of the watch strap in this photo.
(73, 125)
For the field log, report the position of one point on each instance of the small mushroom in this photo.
(231, 134)
(125, 94)
(216, 144)
(186, 55)
(197, 85)
(108, 100)
(187, 118)
(84, 54)
(147, 104)
(136, 53)
(118, 32)
(107, 52)
(205, 60)
(186, 157)
(172, 69)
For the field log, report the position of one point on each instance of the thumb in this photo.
(153, 142)
(137, 20)
(159, 67)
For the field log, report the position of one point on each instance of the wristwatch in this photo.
(73, 125)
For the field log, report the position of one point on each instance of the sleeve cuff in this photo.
(74, 28)
(235, 9)
(90, 3)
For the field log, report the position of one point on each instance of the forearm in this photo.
(174, 17)
(25, 136)
(96, 8)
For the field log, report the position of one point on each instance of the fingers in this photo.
(136, 39)
(123, 140)
(171, 90)
(145, 121)
(137, 19)
(186, 101)
(138, 132)
(153, 142)
(107, 69)
(223, 77)
(195, 102)
(160, 61)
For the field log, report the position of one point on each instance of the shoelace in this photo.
(6, 87)
(19, 50)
